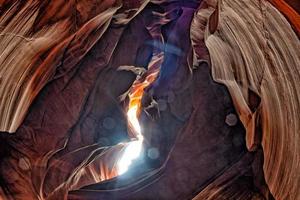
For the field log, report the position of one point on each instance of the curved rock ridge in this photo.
(256, 54)
(290, 9)
(38, 46)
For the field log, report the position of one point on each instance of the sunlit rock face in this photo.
(141, 99)
(261, 60)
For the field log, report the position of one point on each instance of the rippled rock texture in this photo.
(221, 121)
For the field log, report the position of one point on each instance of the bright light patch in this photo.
(133, 148)
(133, 120)
(132, 152)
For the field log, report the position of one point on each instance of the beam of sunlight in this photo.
(133, 148)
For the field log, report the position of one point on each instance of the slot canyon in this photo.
(150, 100)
